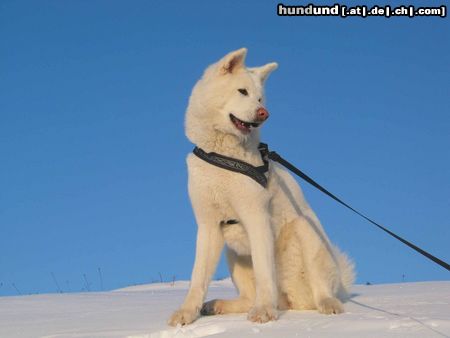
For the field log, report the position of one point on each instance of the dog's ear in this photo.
(264, 71)
(232, 61)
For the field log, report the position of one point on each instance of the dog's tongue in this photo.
(242, 128)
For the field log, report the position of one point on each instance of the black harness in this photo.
(258, 174)
(232, 164)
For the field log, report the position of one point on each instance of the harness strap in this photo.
(277, 158)
(229, 163)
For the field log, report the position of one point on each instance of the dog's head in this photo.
(229, 98)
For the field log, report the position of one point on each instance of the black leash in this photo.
(258, 174)
(277, 158)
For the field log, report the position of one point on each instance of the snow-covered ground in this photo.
(390, 310)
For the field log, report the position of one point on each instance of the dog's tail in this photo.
(347, 273)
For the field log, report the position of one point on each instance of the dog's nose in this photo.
(262, 114)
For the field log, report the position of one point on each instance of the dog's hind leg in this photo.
(320, 266)
(294, 290)
(241, 270)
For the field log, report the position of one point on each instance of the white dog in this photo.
(278, 253)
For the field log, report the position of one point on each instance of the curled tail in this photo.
(347, 273)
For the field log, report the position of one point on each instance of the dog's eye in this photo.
(260, 99)
(243, 91)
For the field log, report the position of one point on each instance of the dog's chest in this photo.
(236, 238)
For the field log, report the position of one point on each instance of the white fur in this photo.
(278, 254)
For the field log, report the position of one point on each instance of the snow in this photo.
(390, 310)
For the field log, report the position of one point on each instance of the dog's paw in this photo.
(183, 317)
(213, 307)
(262, 314)
(330, 306)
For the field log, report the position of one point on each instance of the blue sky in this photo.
(92, 100)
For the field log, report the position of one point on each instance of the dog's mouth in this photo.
(244, 127)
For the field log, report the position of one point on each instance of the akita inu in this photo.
(278, 253)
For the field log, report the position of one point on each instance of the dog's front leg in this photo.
(209, 246)
(256, 220)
